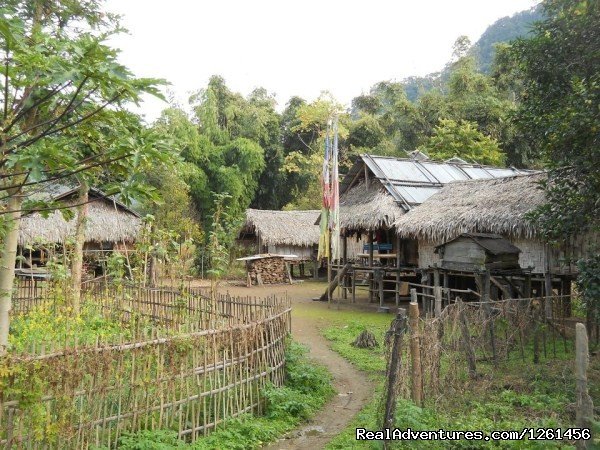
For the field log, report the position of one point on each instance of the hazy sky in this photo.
(296, 47)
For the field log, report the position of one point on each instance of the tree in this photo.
(559, 113)
(57, 73)
(304, 166)
(462, 139)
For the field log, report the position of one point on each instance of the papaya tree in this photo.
(57, 73)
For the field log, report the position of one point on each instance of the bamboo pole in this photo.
(466, 339)
(584, 405)
(415, 350)
(398, 328)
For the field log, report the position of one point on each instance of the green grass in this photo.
(308, 387)
(518, 394)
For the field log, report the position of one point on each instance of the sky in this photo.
(295, 47)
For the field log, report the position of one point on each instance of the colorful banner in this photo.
(330, 220)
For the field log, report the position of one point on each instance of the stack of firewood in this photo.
(267, 271)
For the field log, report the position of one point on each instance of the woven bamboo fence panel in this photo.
(190, 380)
(471, 340)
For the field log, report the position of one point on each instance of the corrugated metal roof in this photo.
(411, 181)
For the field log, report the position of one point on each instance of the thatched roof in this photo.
(368, 209)
(407, 182)
(105, 223)
(284, 227)
(494, 206)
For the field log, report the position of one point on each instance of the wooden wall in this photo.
(303, 253)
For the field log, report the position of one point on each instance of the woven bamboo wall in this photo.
(303, 253)
(427, 255)
(185, 381)
(532, 254)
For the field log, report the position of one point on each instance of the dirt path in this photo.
(353, 387)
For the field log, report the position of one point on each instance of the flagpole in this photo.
(329, 293)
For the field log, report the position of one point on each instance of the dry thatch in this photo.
(104, 224)
(284, 227)
(368, 209)
(494, 206)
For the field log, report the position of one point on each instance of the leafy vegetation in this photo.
(51, 323)
(516, 396)
(307, 389)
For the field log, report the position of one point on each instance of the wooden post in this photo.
(485, 298)
(527, 292)
(370, 248)
(584, 407)
(345, 258)
(371, 266)
(329, 291)
(316, 269)
(437, 293)
(415, 350)
(466, 339)
(334, 283)
(397, 329)
(548, 284)
(398, 262)
(354, 286)
(380, 275)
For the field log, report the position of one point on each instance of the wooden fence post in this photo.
(466, 339)
(415, 352)
(437, 292)
(397, 330)
(585, 408)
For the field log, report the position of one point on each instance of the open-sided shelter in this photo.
(499, 206)
(282, 232)
(378, 191)
(110, 225)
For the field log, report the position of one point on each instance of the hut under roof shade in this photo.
(498, 206)
(107, 221)
(475, 251)
(293, 228)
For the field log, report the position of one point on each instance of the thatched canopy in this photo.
(107, 221)
(284, 227)
(368, 209)
(494, 206)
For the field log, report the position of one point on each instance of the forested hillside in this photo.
(238, 151)
(502, 31)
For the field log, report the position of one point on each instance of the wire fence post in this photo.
(585, 407)
(466, 339)
(397, 329)
(415, 353)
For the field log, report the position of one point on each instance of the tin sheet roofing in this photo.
(411, 181)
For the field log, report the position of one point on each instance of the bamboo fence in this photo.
(189, 379)
(471, 340)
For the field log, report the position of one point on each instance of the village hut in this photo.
(281, 232)
(110, 225)
(378, 191)
(501, 207)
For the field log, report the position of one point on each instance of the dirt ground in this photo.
(353, 387)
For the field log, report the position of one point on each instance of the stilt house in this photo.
(498, 206)
(376, 193)
(110, 225)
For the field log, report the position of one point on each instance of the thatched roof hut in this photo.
(496, 206)
(368, 209)
(108, 220)
(378, 190)
(283, 228)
